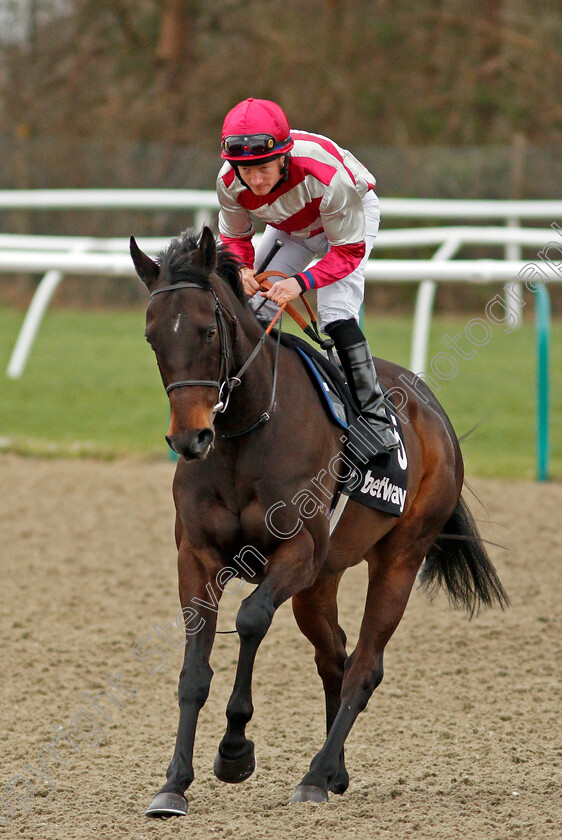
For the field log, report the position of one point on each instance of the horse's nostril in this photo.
(194, 445)
(201, 441)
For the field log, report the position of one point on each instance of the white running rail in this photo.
(57, 256)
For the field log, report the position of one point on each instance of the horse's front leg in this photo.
(290, 568)
(195, 582)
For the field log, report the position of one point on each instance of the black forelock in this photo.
(177, 264)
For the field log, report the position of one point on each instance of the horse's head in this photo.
(186, 328)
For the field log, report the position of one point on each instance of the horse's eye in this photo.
(211, 333)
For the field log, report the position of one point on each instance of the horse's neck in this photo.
(248, 331)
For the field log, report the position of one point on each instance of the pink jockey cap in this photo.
(263, 124)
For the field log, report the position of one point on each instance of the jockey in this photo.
(319, 201)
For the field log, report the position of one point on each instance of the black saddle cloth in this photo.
(379, 481)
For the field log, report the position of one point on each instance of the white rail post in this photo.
(33, 318)
(31, 323)
(513, 252)
(424, 308)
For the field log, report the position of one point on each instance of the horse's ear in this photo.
(207, 250)
(146, 268)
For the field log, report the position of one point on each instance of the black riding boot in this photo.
(359, 368)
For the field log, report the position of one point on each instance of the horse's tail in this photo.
(459, 562)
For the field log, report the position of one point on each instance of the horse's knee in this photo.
(330, 669)
(372, 680)
(359, 684)
(195, 684)
(254, 618)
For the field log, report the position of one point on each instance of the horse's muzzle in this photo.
(195, 445)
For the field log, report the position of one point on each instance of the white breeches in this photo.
(340, 300)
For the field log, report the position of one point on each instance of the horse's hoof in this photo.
(309, 793)
(167, 805)
(237, 769)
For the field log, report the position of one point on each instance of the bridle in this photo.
(225, 383)
(223, 378)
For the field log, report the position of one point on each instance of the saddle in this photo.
(381, 482)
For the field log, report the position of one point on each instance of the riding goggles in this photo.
(251, 144)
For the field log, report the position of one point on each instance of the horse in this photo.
(254, 442)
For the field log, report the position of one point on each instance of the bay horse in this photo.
(252, 435)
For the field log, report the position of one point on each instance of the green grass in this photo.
(496, 388)
(92, 387)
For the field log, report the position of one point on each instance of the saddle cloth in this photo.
(380, 481)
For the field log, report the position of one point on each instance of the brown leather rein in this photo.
(311, 330)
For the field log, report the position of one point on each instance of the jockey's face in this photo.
(262, 178)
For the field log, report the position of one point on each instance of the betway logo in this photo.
(382, 488)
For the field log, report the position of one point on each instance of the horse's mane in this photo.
(177, 263)
(228, 267)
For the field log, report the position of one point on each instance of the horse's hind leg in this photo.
(393, 566)
(316, 612)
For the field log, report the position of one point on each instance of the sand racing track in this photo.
(461, 740)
